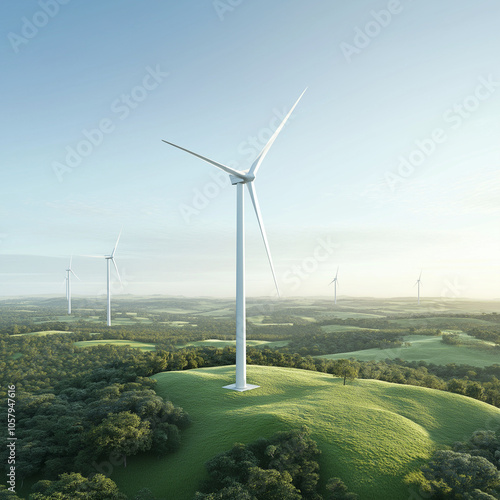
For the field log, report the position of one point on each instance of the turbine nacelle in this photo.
(243, 178)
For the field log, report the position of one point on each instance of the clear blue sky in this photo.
(389, 164)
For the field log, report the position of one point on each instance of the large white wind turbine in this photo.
(418, 283)
(109, 259)
(69, 272)
(240, 178)
(335, 282)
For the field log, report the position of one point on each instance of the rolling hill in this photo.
(431, 350)
(372, 434)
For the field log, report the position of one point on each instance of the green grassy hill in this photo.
(117, 342)
(42, 333)
(371, 433)
(430, 350)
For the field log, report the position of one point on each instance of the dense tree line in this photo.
(317, 343)
(80, 410)
(488, 333)
(471, 470)
(282, 467)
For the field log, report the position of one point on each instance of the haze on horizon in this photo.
(388, 166)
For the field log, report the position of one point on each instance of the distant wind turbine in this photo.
(419, 283)
(69, 272)
(335, 282)
(240, 178)
(111, 258)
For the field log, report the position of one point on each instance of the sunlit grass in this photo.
(371, 433)
(116, 342)
(430, 349)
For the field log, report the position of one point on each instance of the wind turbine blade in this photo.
(70, 261)
(227, 169)
(256, 164)
(255, 201)
(74, 274)
(420, 276)
(116, 269)
(337, 273)
(116, 245)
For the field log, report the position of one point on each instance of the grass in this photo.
(116, 342)
(355, 315)
(371, 433)
(42, 333)
(430, 350)
(342, 328)
(260, 321)
(439, 322)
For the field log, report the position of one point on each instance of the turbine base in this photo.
(248, 387)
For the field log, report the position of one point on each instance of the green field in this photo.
(259, 320)
(430, 350)
(116, 342)
(439, 322)
(355, 315)
(42, 333)
(372, 434)
(342, 328)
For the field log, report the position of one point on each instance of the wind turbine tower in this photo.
(418, 283)
(69, 272)
(335, 282)
(109, 259)
(240, 178)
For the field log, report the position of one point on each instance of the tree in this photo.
(337, 490)
(457, 386)
(75, 486)
(460, 474)
(230, 467)
(295, 452)
(272, 485)
(281, 467)
(347, 369)
(6, 494)
(228, 493)
(123, 433)
(475, 390)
